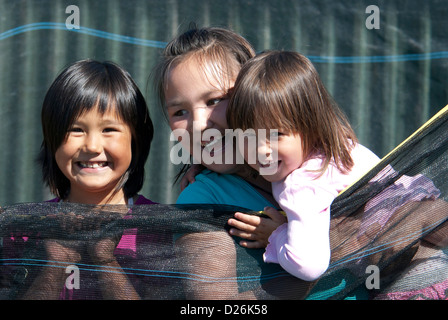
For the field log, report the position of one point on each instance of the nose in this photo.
(267, 147)
(93, 143)
(201, 119)
(264, 150)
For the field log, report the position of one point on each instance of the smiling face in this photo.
(197, 103)
(275, 154)
(94, 157)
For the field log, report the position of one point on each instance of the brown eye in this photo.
(213, 102)
(75, 129)
(179, 113)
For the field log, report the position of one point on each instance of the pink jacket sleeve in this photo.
(302, 246)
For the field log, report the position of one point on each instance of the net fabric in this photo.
(163, 252)
(393, 219)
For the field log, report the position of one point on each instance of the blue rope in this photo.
(161, 44)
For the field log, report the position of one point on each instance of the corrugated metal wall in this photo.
(388, 80)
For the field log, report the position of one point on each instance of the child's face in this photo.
(95, 155)
(275, 154)
(196, 103)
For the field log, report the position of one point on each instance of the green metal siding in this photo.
(389, 80)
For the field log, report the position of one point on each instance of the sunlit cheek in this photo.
(66, 150)
(59, 157)
(249, 150)
(121, 150)
(128, 152)
(180, 126)
(218, 114)
(183, 137)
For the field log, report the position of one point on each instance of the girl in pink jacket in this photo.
(305, 148)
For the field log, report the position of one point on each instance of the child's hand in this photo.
(102, 251)
(188, 178)
(255, 228)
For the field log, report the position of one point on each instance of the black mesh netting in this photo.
(387, 237)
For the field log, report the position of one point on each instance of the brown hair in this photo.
(223, 49)
(281, 89)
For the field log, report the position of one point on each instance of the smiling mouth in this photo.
(92, 165)
(209, 146)
(269, 164)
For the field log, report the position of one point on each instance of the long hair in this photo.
(223, 51)
(80, 87)
(282, 90)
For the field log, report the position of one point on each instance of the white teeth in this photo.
(92, 165)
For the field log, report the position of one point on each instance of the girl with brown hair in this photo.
(309, 154)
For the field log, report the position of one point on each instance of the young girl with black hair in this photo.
(97, 133)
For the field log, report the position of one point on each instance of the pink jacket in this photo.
(302, 246)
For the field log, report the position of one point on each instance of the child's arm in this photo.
(49, 283)
(208, 255)
(212, 255)
(114, 285)
(254, 228)
(302, 246)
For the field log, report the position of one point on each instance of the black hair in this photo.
(80, 87)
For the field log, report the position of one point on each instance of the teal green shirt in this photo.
(214, 188)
